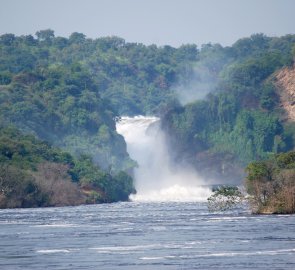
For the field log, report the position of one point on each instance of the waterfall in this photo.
(156, 177)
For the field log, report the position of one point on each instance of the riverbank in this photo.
(271, 184)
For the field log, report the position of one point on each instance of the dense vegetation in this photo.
(240, 120)
(271, 184)
(68, 92)
(33, 173)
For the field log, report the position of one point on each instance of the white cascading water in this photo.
(157, 178)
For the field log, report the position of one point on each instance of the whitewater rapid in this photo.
(157, 178)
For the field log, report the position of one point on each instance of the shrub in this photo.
(53, 180)
(225, 198)
(271, 184)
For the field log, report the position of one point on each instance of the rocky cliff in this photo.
(285, 82)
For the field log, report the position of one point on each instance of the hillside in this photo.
(68, 91)
(244, 117)
(221, 107)
(285, 82)
(33, 174)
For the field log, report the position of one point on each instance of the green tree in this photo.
(45, 35)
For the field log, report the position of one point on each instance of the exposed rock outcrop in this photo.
(285, 82)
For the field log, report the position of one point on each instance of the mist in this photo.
(201, 83)
(157, 177)
(204, 76)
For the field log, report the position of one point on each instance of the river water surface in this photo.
(144, 236)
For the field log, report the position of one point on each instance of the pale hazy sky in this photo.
(172, 22)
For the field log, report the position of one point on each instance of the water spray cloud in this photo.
(157, 178)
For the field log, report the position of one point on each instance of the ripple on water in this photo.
(144, 236)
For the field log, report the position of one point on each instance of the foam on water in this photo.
(152, 258)
(48, 251)
(233, 254)
(60, 225)
(126, 248)
(175, 193)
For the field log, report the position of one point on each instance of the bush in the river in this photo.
(224, 198)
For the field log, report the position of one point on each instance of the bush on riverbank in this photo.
(271, 184)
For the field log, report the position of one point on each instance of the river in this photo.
(144, 235)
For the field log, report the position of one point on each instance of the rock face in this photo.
(285, 82)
